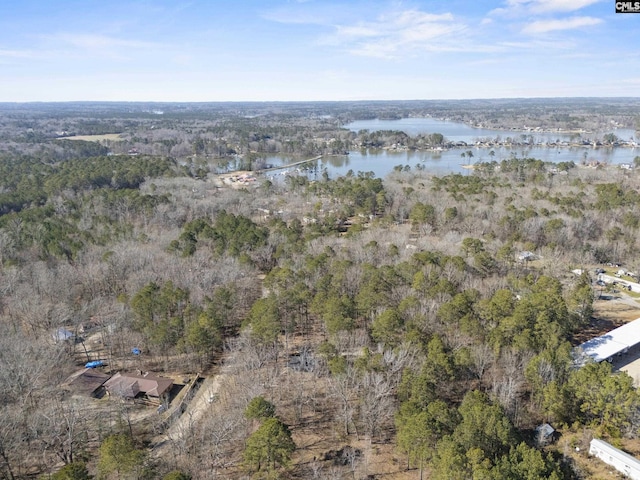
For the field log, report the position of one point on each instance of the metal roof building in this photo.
(616, 341)
(621, 461)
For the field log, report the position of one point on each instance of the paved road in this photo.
(635, 287)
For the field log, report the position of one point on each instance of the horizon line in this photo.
(24, 102)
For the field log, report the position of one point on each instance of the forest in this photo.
(349, 327)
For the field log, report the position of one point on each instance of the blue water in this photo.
(459, 132)
(381, 162)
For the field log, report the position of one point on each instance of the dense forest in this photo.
(353, 327)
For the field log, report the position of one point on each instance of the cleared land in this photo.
(96, 138)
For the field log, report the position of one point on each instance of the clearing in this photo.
(95, 138)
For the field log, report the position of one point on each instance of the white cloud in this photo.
(17, 53)
(540, 6)
(95, 41)
(536, 45)
(545, 26)
(302, 13)
(404, 33)
(397, 33)
(357, 31)
(90, 45)
(514, 8)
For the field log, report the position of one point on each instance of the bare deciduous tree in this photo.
(376, 402)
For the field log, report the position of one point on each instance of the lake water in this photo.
(381, 162)
(459, 132)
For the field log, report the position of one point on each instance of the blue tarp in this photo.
(94, 364)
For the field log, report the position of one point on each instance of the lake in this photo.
(381, 162)
(459, 132)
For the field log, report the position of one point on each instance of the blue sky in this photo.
(297, 50)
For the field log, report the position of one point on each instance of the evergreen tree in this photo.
(269, 446)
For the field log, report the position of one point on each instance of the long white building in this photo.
(621, 461)
(610, 344)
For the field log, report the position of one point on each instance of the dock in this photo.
(294, 164)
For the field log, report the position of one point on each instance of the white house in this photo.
(622, 462)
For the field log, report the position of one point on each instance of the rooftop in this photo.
(86, 381)
(129, 385)
(611, 343)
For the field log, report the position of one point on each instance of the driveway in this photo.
(635, 287)
(196, 408)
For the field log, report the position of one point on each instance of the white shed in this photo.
(621, 461)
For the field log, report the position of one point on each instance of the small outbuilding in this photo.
(621, 461)
(526, 256)
(62, 335)
(544, 434)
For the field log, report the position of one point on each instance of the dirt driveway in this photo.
(197, 407)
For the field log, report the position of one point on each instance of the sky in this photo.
(308, 50)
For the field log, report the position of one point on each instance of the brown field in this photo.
(96, 138)
(608, 314)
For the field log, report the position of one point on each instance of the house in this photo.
(147, 387)
(621, 461)
(88, 381)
